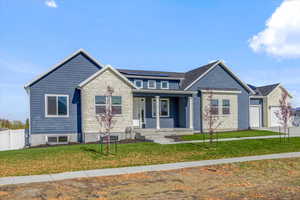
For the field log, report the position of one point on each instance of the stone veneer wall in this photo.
(228, 122)
(98, 86)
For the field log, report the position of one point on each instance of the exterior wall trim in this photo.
(153, 77)
(222, 91)
(256, 97)
(164, 91)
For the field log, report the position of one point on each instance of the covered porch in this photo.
(159, 110)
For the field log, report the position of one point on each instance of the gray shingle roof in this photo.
(187, 77)
(152, 73)
(192, 75)
(263, 90)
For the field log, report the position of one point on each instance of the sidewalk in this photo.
(137, 169)
(221, 140)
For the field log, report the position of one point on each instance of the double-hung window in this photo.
(56, 105)
(116, 105)
(102, 103)
(164, 107)
(151, 84)
(214, 106)
(164, 84)
(226, 107)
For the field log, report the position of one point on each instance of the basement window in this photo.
(57, 139)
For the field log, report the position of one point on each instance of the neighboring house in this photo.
(65, 100)
(265, 104)
(296, 120)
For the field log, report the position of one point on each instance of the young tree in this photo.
(285, 112)
(211, 115)
(105, 119)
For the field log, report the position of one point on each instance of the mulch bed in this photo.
(126, 141)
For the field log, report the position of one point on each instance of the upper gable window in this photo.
(164, 84)
(56, 105)
(152, 84)
(138, 83)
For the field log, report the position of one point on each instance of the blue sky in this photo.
(149, 34)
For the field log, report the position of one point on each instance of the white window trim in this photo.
(46, 106)
(106, 104)
(99, 104)
(154, 87)
(57, 139)
(153, 101)
(120, 105)
(161, 85)
(226, 107)
(218, 107)
(136, 80)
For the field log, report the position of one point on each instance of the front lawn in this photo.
(87, 156)
(232, 134)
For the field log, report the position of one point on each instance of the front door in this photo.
(255, 116)
(139, 112)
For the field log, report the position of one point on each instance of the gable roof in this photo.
(98, 73)
(187, 79)
(80, 51)
(195, 75)
(267, 89)
(264, 90)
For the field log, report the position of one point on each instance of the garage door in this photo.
(255, 116)
(274, 119)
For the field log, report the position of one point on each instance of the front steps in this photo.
(158, 136)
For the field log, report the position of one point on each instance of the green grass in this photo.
(87, 156)
(233, 134)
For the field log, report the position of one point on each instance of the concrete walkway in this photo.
(221, 139)
(137, 169)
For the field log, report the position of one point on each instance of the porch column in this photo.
(157, 101)
(191, 109)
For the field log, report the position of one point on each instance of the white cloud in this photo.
(51, 3)
(281, 37)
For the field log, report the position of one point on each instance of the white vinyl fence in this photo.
(12, 139)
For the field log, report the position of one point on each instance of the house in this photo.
(264, 105)
(296, 120)
(65, 100)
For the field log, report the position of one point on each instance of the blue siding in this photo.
(165, 122)
(178, 106)
(219, 78)
(63, 80)
(173, 84)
